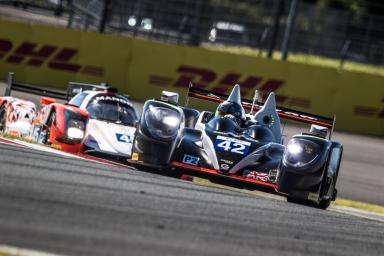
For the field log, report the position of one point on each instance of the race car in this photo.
(16, 116)
(96, 120)
(240, 149)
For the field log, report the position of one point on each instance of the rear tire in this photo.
(2, 117)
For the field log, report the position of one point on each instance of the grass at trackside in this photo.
(339, 202)
(14, 137)
(359, 205)
(303, 59)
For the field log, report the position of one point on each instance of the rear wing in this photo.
(73, 88)
(286, 113)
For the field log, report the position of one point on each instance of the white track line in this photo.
(44, 148)
(9, 142)
(358, 212)
(7, 250)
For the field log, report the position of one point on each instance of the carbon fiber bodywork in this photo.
(305, 170)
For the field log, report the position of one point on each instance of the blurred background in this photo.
(330, 29)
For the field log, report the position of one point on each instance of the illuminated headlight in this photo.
(146, 23)
(300, 152)
(75, 130)
(162, 122)
(132, 21)
(294, 148)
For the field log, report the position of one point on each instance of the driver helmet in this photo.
(232, 107)
(231, 110)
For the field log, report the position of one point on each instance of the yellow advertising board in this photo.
(51, 56)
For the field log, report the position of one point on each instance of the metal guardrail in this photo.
(12, 86)
(73, 88)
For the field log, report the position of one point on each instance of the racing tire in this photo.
(51, 119)
(2, 117)
(323, 204)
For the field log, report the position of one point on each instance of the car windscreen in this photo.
(78, 99)
(112, 108)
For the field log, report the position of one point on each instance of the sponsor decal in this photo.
(204, 78)
(226, 161)
(111, 98)
(192, 160)
(272, 175)
(124, 138)
(53, 56)
(232, 145)
(225, 164)
(225, 167)
(313, 196)
(135, 157)
(299, 115)
(261, 176)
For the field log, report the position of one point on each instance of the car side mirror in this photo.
(171, 97)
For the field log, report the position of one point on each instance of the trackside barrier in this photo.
(12, 86)
(73, 88)
(51, 57)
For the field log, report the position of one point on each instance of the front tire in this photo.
(323, 204)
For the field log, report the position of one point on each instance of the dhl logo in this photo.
(370, 111)
(207, 78)
(36, 55)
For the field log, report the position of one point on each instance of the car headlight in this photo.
(76, 129)
(300, 152)
(162, 122)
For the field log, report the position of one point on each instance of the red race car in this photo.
(96, 120)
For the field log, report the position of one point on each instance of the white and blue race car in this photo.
(96, 120)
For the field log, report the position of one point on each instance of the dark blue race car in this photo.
(239, 149)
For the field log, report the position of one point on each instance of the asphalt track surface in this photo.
(77, 207)
(361, 176)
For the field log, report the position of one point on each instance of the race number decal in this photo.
(192, 160)
(124, 138)
(232, 145)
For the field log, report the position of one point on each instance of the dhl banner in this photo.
(51, 56)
